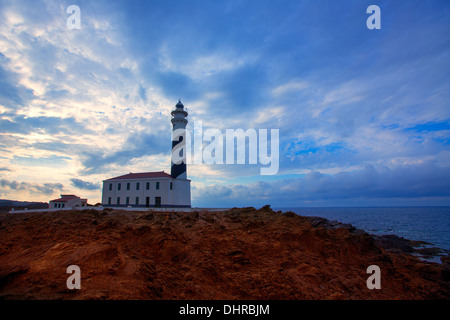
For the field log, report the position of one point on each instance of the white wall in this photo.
(72, 203)
(179, 195)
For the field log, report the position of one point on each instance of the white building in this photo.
(146, 189)
(67, 201)
(154, 189)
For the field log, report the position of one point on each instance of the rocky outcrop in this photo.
(242, 253)
(396, 244)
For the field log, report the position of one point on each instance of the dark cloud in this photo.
(12, 95)
(137, 145)
(50, 125)
(142, 93)
(80, 184)
(407, 182)
(175, 83)
(245, 89)
(45, 188)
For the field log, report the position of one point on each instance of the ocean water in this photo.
(429, 224)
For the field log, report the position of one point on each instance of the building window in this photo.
(147, 186)
(157, 185)
(62, 206)
(127, 200)
(137, 185)
(59, 205)
(137, 200)
(171, 186)
(109, 200)
(56, 205)
(118, 186)
(128, 186)
(118, 200)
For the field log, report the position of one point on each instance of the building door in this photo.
(157, 202)
(147, 201)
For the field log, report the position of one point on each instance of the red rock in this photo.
(238, 254)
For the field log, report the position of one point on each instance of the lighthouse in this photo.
(178, 161)
(157, 188)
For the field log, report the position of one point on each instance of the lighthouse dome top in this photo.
(179, 104)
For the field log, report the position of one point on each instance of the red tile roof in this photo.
(65, 198)
(142, 175)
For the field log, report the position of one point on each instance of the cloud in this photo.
(51, 125)
(142, 93)
(137, 145)
(292, 86)
(45, 188)
(80, 184)
(50, 161)
(12, 94)
(425, 180)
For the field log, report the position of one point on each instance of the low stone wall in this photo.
(122, 208)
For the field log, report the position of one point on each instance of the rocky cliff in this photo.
(237, 254)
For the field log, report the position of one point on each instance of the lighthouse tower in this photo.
(179, 121)
(158, 188)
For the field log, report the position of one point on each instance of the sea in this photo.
(429, 224)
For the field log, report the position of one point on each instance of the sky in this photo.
(363, 114)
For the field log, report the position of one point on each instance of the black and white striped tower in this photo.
(179, 121)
